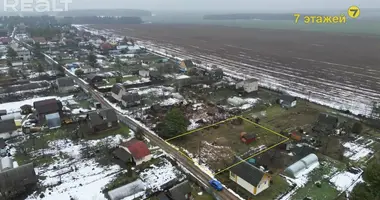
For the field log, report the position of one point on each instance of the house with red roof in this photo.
(138, 150)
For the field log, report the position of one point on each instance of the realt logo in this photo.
(36, 5)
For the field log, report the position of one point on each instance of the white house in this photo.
(287, 101)
(138, 150)
(249, 177)
(118, 91)
(144, 73)
(23, 54)
(249, 85)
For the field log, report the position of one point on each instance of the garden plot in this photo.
(215, 145)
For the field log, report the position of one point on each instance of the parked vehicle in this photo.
(216, 184)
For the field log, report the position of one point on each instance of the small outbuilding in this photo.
(247, 138)
(53, 120)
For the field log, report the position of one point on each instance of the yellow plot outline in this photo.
(229, 119)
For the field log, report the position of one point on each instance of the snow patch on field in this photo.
(355, 151)
(160, 174)
(345, 180)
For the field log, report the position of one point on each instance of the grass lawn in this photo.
(112, 81)
(84, 104)
(122, 130)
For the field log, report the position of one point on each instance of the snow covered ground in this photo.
(12, 107)
(76, 177)
(345, 180)
(160, 174)
(355, 151)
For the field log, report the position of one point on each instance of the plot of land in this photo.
(216, 145)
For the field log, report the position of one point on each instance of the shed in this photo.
(127, 190)
(296, 170)
(247, 138)
(6, 163)
(11, 116)
(53, 120)
(3, 112)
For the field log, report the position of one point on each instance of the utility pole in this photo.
(199, 152)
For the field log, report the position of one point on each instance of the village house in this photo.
(101, 120)
(17, 180)
(94, 78)
(249, 177)
(118, 91)
(138, 150)
(248, 86)
(47, 112)
(287, 101)
(22, 53)
(40, 40)
(186, 65)
(66, 84)
(7, 128)
(130, 99)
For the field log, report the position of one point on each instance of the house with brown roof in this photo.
(101, 120)
(40, 40)
(138, 150)
(46, 107)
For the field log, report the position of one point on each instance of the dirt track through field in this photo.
(342, 69)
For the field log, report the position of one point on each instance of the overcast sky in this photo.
(224, 4)
(253, 5)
